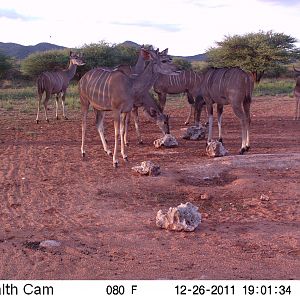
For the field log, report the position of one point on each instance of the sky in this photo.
(186, 27)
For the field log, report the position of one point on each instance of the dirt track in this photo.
(105, 218)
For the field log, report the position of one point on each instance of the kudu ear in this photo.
(165, 52)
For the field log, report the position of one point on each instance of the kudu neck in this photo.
(145, 80)
(71, 70)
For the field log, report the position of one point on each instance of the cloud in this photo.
(204, 4)
(165, 27)
(12, 14)
(283, 2)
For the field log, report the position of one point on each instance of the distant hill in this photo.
(20, 52)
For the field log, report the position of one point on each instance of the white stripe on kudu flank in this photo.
(88, 80)
(96, 82)
(105, 84)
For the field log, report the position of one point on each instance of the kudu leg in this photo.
(136, 119)
(243, 120)
(210, 122)
(38, 108)
(46, 104)
(191, 113)
(220, 114)
(83, 129)
(123, 125)
(117, 133)
(63, 98)
(162, 99)
(100, 127)
(246, 105)
(56, 106)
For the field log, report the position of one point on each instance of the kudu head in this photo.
(162, 120)
(162, 63)
(76, 59)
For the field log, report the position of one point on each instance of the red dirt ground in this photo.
(105, 218)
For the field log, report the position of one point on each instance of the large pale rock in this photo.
(195, 133)
(168, 141)
(216, 149)
(147, 168)
(184, 217)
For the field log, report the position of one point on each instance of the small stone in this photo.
(167, 141)
(204, 196)
(50, 244)
(147, 168)
(215, 149)
(195, 133)
(264, 197)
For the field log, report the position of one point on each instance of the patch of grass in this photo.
(273, 87)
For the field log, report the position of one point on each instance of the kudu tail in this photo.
(40, 85)
(249, 88)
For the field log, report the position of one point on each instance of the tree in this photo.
(254, 52)
(182, 64)
(5, 64)
(38, 62)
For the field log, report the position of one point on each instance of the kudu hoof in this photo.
(57, 118)
(116, 164)
(108, 152)
(221, 141)
(242, 151)
(247, 148)
(37, 121)
(125, 158)
(186, 123)
(47, 120)
(83, 154)
(66, 118)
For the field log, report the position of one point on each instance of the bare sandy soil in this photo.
(105, 218)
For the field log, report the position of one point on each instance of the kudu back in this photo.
(297, 94)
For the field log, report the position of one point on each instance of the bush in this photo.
(39, 62)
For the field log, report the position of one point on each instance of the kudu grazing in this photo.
(56, 82)
(186, 81)
(146, 100)
(227, 86)
(113, 90)
(297, 94)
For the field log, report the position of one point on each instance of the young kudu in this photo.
(227, 86)
(113, 90)
(56, 82)
(186, 81)
(297, 94)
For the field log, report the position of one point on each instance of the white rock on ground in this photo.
(216, 149)
(168, 141)
(147, 168)
(184, 217)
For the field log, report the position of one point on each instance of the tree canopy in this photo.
(254, 52)
(5, 64)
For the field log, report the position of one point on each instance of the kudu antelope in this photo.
(186, 81)
(113, 90)
(297, 94)
(146, 101)
(56, 82)
(227, 86)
